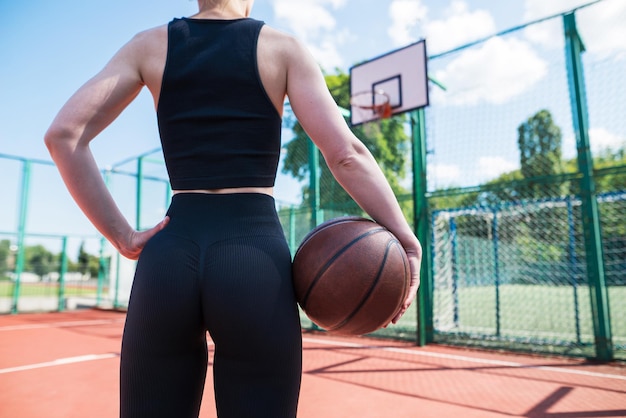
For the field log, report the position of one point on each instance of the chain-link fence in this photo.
(517, 273)
(526, 180)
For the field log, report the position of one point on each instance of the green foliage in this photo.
(86, 263)
(543, 174)
(5, 251)
(39, 260)
(386, 140)
(539, 142)
(83, 259)
(453, 197)
(610, 181)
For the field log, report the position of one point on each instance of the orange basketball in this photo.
(350, 276)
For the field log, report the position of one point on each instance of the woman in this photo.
(219, 261)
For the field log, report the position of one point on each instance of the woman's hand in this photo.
(415, 262)
(138, 239)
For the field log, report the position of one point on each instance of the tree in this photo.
(83, 259)
(39, 260)
(539, 143)
(386, 140)
(86, 263)
(5, 252)
(609, 161)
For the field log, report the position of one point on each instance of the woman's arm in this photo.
(351, 163)
(91, 109)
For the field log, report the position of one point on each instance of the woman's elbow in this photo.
(56, 137)
(51, 137)
(348, 158)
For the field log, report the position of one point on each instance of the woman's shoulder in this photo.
(288, 45)
(151, 35)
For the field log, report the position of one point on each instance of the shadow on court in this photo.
(66, 365)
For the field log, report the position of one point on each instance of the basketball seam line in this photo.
(332, 259)
(328, 224)
(369, 292)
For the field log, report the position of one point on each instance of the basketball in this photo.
(351, 276)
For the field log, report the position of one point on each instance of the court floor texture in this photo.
(65, 365)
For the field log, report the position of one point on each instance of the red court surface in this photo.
(65, 365)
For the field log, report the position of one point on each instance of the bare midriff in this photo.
(264, 190)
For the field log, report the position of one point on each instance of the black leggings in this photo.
(221, 265)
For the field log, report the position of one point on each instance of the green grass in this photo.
(526, 311)
(530, 310)
(48, 289)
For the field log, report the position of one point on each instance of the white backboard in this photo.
(400, 74)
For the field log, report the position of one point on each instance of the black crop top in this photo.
(217, 125)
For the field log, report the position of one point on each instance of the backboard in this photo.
(400, 75)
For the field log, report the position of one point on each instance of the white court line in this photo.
(59, 362)
(91, 357)
(466, 359)
(60, 324)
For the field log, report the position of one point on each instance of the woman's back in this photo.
(218, 127)
(272, 56)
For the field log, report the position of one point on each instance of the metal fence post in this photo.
(62, 273)
(292, 228)
(138, 191)
(425, 328)
(21, 232)
(314, 184)
(496, 269)
(573, 264)
(168, 195)
(590, 217)
(455, 271)
(116, 303)
(102, 265)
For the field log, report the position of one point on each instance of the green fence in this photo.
(518, 175)
(514, 178)
(528, 242)
(516, 273)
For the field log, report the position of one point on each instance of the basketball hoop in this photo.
(371, 105)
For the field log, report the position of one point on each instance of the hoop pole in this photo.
(425, 330)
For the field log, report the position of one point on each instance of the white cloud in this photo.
(492, 167)
(460, 26)
(307, 17)
(549, 34)
(443, 175)
(601, 25)
(405, 15)
(325, 51)
(600, 140)
(537, 9)
(313, 23)
(603, 29)
(493, 72)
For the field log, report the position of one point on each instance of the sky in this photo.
(48, 49)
